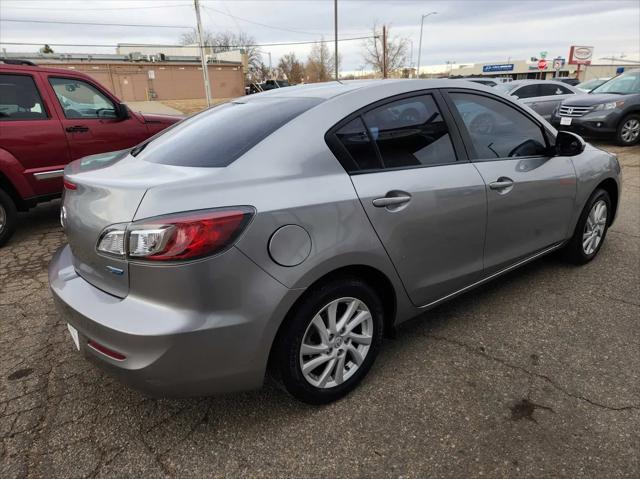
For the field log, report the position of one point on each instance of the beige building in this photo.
(139, 81)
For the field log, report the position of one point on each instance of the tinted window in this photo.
(551, 89)
(19, 99)
(410, 132)
(528, 91)
(624, 84)
(498, 130)
(218, 136)
(354, 138)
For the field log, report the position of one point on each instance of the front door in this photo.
(88, 118)
(530, 194)
(428, 208)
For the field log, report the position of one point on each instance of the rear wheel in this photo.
(628, 132)
(8, 216)
(330, 341)
(591, 229)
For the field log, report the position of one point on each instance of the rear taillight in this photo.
(176, 237)
(68, 185)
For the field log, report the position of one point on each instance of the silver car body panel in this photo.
(207, 326)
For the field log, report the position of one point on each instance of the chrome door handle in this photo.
(501, 184)
(391, 201)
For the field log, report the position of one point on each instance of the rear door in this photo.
(530, 194)
(425, 201)
(550, 96)
(30, 131)
(88, 118)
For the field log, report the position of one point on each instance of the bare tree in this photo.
(320, 63)
(225, 41)
(396, 52)
(291, 68)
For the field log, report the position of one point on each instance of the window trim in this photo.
(345, 158)
(83, 80)
(45, 107)
(548, 136)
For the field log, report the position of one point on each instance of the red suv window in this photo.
(20, 99)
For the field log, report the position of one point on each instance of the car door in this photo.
(31, 132)
(550, 96)
(530, 193)
(425, 201)
(89, 118)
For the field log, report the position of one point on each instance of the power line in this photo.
(235, 17)
(92, 23)
(182, 46)
(75, 9)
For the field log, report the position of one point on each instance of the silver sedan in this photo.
(293, 229)
(542, 96)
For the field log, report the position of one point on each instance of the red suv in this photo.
(49, 117)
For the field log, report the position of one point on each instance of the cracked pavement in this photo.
(534, 375)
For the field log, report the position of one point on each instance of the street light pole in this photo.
(335, 20)
(203, 59)
(425, 15)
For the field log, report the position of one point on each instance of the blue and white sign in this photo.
(502, 67)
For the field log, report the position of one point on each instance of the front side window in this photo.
(19, 99)
(410, 132)
(79, 99)
(498, 130)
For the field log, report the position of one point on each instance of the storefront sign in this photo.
(502, 67)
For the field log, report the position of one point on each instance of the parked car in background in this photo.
(294, 227)
(611, 110)
(587, 86)
(266, 86)
(542, 96)
(49, 117)
(482, 81)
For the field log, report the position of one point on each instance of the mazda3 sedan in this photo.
(290, 230)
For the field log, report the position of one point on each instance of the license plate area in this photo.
(565, 120)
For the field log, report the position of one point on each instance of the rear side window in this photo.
(220, 135)
(498, 130)
(528, 91)
(20, 99)
(410, 132)
(551, 89)
(354, 138)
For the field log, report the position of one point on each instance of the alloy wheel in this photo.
(594, 227)
(336, 342)
(630, 130)
(3, 218)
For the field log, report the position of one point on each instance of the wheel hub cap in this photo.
(594, 227)
(630, 130)
(336, 342)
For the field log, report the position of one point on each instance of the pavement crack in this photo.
(482, 352)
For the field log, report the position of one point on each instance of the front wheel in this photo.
(330, 341)
(8, 217)
(628, 132)
(591, 229)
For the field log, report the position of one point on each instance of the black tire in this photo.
(574, 251)
(287, 357)
(8, 212)
(621, 126)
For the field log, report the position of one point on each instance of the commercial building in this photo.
(171, 78)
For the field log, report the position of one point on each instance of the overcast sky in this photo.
(463, 31)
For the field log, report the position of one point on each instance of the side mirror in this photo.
(122, 111)
(569, 144)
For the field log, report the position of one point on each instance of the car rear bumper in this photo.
(174, 351)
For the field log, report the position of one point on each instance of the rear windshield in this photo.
(220, 135)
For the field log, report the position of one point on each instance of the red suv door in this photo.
(89, 118)
(33, 146)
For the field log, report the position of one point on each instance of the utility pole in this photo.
(384, 51)
(203, 58)
(335, 21)
(420, 44)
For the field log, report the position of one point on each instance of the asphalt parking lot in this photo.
(534, 375)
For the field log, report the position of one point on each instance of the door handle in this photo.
(77, 129)
(393, 199)
(502, 183)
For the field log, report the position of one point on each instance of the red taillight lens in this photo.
(106, 351)
(185, 236)
(69, 185)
